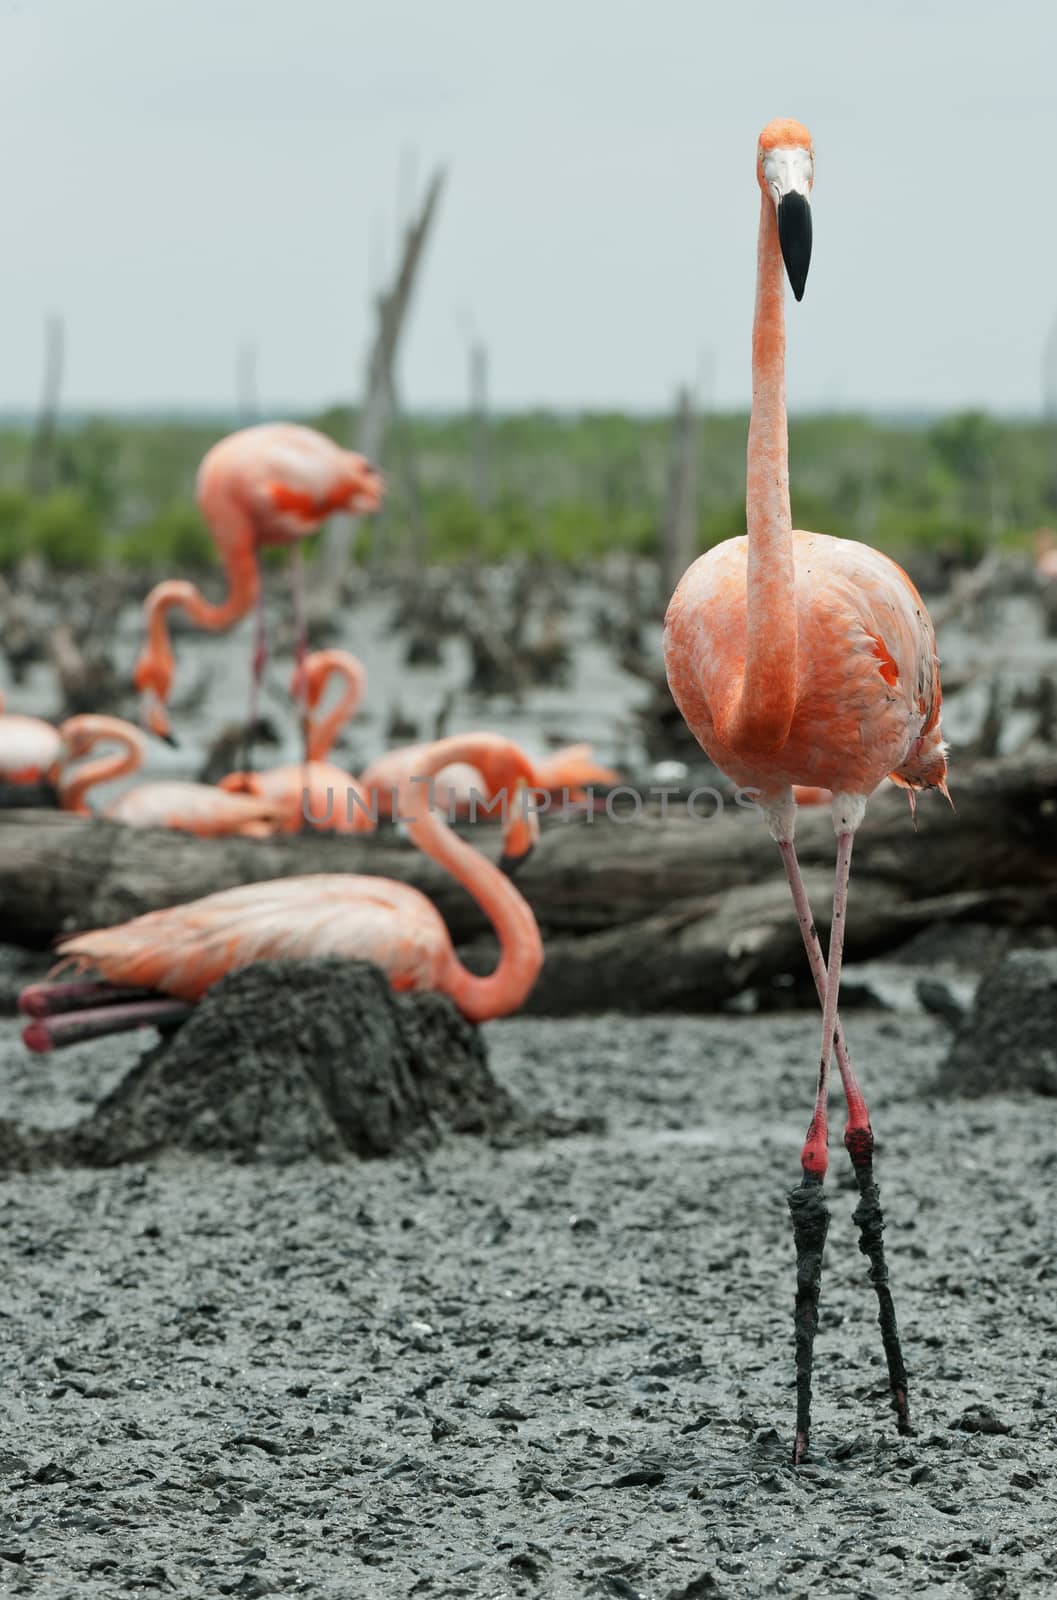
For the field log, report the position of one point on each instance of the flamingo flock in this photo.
(805, 666)
(266, 485)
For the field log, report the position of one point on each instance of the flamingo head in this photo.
(153, 678)
(367, 486)
(78, 737)
(508, 773)
(155, 718)
(785, 169)
(309, 679)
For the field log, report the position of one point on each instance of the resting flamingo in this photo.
(179, 953)
(28, 747)
(315, 792)
(799, 658)
(270, 484)
(188, 807)
(567, 773)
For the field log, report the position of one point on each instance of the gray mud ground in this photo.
(556, 1368)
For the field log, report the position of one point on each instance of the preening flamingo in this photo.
(28, 747)
(188, 807)
(796, 658)
(270, 484)
(316, 793)
(310, 682)
(180, 952)
(459, 789)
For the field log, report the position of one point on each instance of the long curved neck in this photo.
(520, 945)
(235, 541)
(763, 710)
(322, 733)
(121, 762)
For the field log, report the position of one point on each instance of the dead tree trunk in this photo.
(481, 453)
(642, 911)
(247, 402)
(679, 533)
(40, 467)
(416, 548)
(392, 308)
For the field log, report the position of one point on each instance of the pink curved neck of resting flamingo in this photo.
(520, 946)
(232, 528)
(323, 731)
(119, 764)
(759, 712)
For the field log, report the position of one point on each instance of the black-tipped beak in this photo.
(511, 865)
(794, 236)
(170, 739)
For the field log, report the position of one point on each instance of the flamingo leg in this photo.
(858, 1139)
(56, 1031)
(297, 583)
(260, 656)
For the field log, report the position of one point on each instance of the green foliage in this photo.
(65, 530)
(566, 487)
(89, 461)
(175, 538)
(14, 526)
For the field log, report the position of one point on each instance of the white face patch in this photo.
(788, 171)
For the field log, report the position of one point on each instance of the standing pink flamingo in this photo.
(188, 807)
(270, 484)
(28, 747)
(315, 792)
(796, 658)
(182, 951)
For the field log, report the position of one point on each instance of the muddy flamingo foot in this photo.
(810, 1214)
(869, 1219)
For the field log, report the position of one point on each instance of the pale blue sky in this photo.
(179, 175)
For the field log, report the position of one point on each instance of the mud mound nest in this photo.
(288, 1059)
(28, 797)
(1009, 1040)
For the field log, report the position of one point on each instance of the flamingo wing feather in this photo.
(184, 950)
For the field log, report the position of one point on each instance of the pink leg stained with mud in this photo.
(810, 1216)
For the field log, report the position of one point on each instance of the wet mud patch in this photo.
(17, 968)
(512, 1369)
(288, 1060)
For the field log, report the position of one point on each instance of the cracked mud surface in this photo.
(549, 1368)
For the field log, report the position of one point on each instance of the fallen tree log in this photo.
(639, 910)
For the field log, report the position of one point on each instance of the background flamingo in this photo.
(569, 771)
(183, 950)
(188, 807)
(28, 747)
(798, 658)
(1046, 553)
(316, 793)
(310, 682)
(270, 484)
